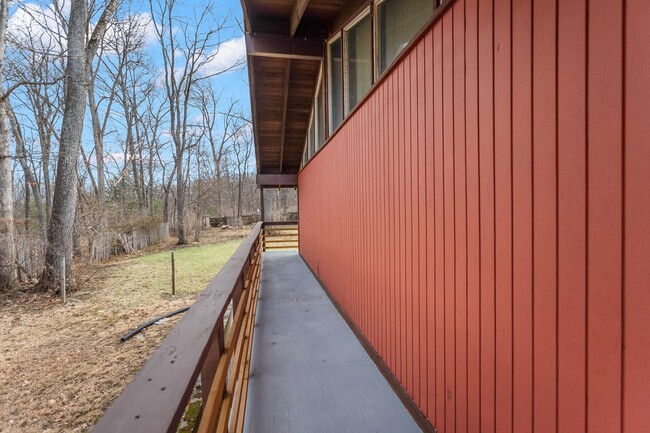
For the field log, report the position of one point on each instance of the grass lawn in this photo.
(141, 280)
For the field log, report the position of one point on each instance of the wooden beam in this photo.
(251, 80)
(287, 74)
(247, 16)
(279, 46)
(299, 7)
(275, 180)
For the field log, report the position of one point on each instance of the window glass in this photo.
(358, 40)
(335, 80)
(397, 22)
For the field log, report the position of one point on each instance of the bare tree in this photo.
(99, 125)
(188, 48)
(36, 70)
(221, 127)
(242, 151)
(80, 56)
(129, 70)
(30, 179)
(152, 125)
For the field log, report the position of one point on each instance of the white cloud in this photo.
(139, 28)
(114, 157)
(150, 36)
(34, 24)
(229, 55)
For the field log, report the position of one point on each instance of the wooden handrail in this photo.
(280, 223)
(155, 400)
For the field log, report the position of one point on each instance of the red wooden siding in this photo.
(484, 217)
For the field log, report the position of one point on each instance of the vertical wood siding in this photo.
(484, 217)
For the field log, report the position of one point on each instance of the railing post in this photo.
(173, 275)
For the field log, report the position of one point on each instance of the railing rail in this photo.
(280, 235)
(199, 344)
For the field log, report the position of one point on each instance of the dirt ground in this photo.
(62, 366)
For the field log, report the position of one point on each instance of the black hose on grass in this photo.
(151, 322)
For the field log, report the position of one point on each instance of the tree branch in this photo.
(15, 86)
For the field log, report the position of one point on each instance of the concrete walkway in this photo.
(309, 373)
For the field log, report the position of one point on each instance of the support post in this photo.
(63, 280)
(173, 275)
(262, 203)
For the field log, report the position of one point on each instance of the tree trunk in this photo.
(76, 236)
(142, 193)
(180, 203)
(99, 156)
(166, 206)
(28, 209)
(8, 272)
(60, 228)
(47, 182)
(240, 188)
(167, 187)
(29, 176)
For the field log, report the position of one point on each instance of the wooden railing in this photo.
(282, 235)
(199, 345)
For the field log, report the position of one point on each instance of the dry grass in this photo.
(62, 366)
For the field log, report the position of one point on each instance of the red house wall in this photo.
(484, 217)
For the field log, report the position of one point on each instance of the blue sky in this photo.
(235, 83)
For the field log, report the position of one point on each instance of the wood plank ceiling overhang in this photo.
(285, 42)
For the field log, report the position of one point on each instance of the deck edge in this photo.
(415, 412)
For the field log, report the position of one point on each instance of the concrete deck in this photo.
(309, 373)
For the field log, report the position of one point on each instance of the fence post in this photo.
(63, 280)
(173, 276)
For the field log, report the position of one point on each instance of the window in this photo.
(335, 80)
(397, 23)
(358, 60)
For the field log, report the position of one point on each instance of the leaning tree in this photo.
(77, 72)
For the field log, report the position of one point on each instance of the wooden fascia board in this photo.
(275, 180)
(281, 46)
(297, 12)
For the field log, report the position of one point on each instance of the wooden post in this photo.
(63, 280)
(173, 276)
(262, 203)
